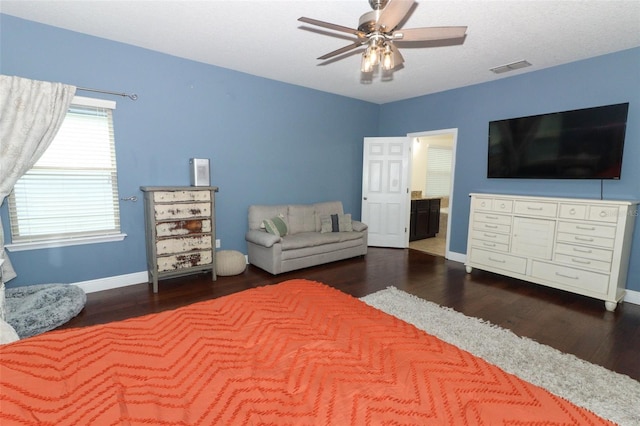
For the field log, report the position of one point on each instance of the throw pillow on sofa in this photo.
(276, 226)
(336, 223)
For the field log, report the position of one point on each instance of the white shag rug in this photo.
(610, 395)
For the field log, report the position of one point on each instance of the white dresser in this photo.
(180, 231)
(577, 245)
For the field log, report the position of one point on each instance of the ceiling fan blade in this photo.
(393, 13)
(341, 50)
(429, 33)
(331, 26)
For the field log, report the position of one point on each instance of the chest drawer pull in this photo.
(587, 240)
(489, 244)
(581, 262)
(566, 276)
(537, 209)
(586, 228)
(497, 260)
(580, 250)
(491, 226)
(489, 235)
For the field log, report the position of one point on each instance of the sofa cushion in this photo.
(302, 218)
(336, 223)
(261, 238)
(275, 226)
(258, 213)
(323, 249)
(312, 239)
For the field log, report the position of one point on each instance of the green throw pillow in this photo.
(276, 226)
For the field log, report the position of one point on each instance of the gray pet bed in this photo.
(34, 309)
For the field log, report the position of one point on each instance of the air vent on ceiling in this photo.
(510, 67)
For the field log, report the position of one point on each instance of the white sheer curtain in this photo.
(31, 113)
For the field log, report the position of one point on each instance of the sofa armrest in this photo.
(261, 238)
(358, 226)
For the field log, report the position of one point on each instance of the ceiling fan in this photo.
(378, 30)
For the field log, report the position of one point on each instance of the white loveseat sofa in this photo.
(305, 242)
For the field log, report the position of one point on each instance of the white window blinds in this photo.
(438, 171)
(71, 192)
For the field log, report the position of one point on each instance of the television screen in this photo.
(578, 144)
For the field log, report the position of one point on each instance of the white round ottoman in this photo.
(230, 262)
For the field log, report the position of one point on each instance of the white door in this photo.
(385, 190)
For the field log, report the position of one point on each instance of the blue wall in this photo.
(271, 142)
(608, 79)
(268, 142)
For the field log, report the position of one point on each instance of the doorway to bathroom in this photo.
(431, 183)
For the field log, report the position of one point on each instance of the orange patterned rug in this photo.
(298, 352)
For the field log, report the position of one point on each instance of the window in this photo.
(70, 195)
(438, 171)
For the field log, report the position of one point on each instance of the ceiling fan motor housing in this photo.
(368, 22)
(378, 4)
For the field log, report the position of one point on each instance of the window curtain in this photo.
(31, 112)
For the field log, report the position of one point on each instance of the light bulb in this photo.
(365, 65)
(374, 54)
(387, 59)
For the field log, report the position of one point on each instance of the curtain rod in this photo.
(132, 96)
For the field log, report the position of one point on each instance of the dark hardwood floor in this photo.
(565, 321)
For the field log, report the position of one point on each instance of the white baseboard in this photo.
(457, 257)
(632, 296)
(109, 283)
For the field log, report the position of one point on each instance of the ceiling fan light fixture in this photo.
(378, 29)
(374, 53)
(387, 59)
(366, 66)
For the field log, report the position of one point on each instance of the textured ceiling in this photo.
(264, 38)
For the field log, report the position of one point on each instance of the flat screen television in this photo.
(579, 144)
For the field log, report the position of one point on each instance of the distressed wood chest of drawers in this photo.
(180, 231)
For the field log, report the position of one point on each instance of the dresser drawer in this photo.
(482, 203)
(492, 218)
(585, 252)
(493, 227)
(183, 244)
(604, 213)
(499, 260)
(490, 236)
(183, 261)
(571, 277)
(588, 229)
(585, 239)
(573, 211)
(536, 208)
(490, 245)
(502, 205)
(183, 227)
(181, 196)
(581, 262)
(181, 211)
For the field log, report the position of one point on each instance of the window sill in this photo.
(64, 243)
